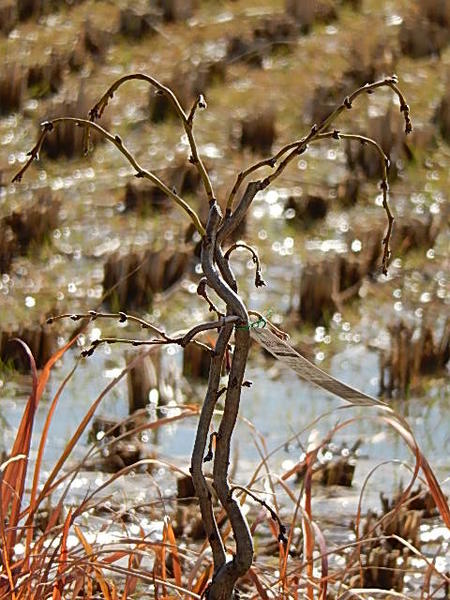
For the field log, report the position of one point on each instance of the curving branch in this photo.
(232, 219)
(187, 120)
(182, 340)
(259, 281)
(48, 126)
(198, 452)
(228, 573)
(122, 317)
(201, 291)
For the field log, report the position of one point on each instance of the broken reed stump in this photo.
(33, 225)
(36, 79)
(8, 247)
(412, 233)
(132, 279)
(385, 559)
(268, 36)
(188, 82)
(419, 499)
(323, 101)
(308, 13)
(27, 228)
(42, 340)
(189, 522)
(142, 379)
(119, 446)
(12, 87)
(174, 11)
(369, 57)
(384, 129)
(381, 567)
(258, 132)
(279, 31)
(14, 11)
(45, 78)
(66, 140)
(8, 15)
(146, 198)
(139, 21)
(347, 192)
(306, 209)
(442, 115)
(425, 30)
(412, 356)
(326, 285)
(335, 465)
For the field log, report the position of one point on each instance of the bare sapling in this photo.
(232, 321)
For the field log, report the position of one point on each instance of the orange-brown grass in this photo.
(45, 566)
(48, 566)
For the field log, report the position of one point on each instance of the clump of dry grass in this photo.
(411, 357)
(47, 551)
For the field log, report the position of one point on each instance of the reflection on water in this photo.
(278, 405)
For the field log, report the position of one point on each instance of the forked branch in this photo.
(187, 120)
(48, 126)
(289, 152)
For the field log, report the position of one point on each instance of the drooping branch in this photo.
(346, 104)
(259, 281)
(281, 527)
(122, 317)
(290, 151)
(181, 340)
(49, 126)
(187, 120)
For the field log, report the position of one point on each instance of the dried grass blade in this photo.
(306, 522)
(97, 570)
(82, 426)
(323, 559)
(259, 586)
(42, 380)
(202, 581)
(13, 480)
(58, 587)
(174, 553)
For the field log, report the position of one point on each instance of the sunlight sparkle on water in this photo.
(425, 297)
(30, 302)
(356, 245)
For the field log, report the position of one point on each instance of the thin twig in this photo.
(281, 528)
(182, 341)
(120, 316)
(201, 291)
(48, 126)
(259, 281)
(298, 146)
(187, 121)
